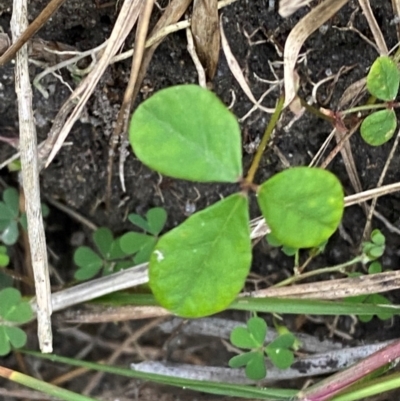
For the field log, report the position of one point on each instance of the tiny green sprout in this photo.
(374, 248)
(13, 311)
(383, 83)
(139, 244)
(110, 257)
(252, 337)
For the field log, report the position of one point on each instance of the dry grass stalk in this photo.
(30, 179)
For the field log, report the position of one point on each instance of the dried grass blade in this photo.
(205, 29)
(304, 28)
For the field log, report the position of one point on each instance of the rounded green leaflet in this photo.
(282, 358)
(11, 199)
(103, 238)
(303, 206)
(9, 298)
(156, 217)
(16, 336)
(379, 127)
(4, 342)
(186, 132)
(89, 262)
(258, 329)
(241, 337)
(10, 234)
(383, 79)
(198, 268)
(241, 360)
(255, 368)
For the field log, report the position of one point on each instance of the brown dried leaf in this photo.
(205, 29)
(304, 28)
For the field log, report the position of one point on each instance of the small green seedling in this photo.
(199, 267)
(110, 257)
(139, 244)
(383, 83)
(10, 216)
(13, 311)
(373, 299)
(375, 248)
(253, 337)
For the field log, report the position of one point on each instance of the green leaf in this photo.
(103, 239)
(21, 313)
(257, 327)
(379, 127)
(186, 132)
(272, 240)
(4, 342)
(115, 250)
(378, 238)
(89, 262)
(4, 258)
(16, 336)
(199, 267)
(374, 268)
(23, 220)
(11, 199)
(241, 360)
(240, 337)
(282, 358)
(303, 206)
(9, 298)
(156, 218)
(45, 210)
(145, 252)
(383, 79)
(289, 251)
(133, 242)
(139, 221)
(10, 234)
(283, 341)
(255, 368)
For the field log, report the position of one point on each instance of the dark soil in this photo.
(77, 177)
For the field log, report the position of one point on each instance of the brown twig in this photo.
(30, 30)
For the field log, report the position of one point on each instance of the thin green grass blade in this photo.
(310, 306)
(42, 386)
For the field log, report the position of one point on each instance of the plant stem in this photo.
(266, 137)
(366, 107)
(316, 112)
(338, 269)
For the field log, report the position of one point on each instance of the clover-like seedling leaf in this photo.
(378, 238)
(374, 268)
(257, 328)
(11, 336)
(282, 358)
(4, 258)
(241, 360)
(13, 308)
(186, 132)
(379, 127)
(242, 338)
(145, 252)
(88, 261)
(139, 221)
(303, 206)
(383, 79)
(255, 368)
(11, 200)
(198, 268)
(156, 218)
(9, 236)
(133, 242)
(103, 238)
